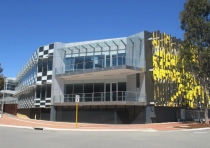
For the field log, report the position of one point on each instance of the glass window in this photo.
(107, 60)
(121, 86)
(89, 62)
(51, 46)
(69, 64)
(99, 61)
(68, 88)
(40, 66)
(79, 62)
(98, 87)
(38, 91)
(39, 78)
(78, 88)
(44, 72)
(88, 88)
(114, 60)
(41, 49)
(48, 91)
(43, 91)
(69, 61)
(121, 58)
(50, 62)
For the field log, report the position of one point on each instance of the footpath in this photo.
(18, 122)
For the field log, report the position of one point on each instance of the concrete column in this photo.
(115, 115)
(52, 113)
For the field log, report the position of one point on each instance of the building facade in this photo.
(9, 91)
(7, 101)
(115, 79)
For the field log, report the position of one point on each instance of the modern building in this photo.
(9, 91)
(6, 96)
(118, 80)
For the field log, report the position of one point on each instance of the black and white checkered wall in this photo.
(44, 74)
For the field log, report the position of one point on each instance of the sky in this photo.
(26, 25)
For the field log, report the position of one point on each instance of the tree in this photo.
(1, 78)
(194, 56)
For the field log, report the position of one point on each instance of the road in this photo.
(28, 138)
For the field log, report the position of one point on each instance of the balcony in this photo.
(117, 65)
(102, 98)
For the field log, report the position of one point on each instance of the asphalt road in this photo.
(27, 138)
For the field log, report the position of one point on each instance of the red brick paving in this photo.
(17, 121)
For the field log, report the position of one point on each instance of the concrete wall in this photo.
(58, 65)
(149, 65)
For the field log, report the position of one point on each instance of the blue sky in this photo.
(26, 25)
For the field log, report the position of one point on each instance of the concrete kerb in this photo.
(14, 126)
(196, 129)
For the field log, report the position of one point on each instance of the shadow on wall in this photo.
(166, 114)
(38, 113)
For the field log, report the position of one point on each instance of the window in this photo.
(107, 60)
(50, 63)
(88, 88)
(49, 77)
(114, 60)
(38, 91)
(48, 101)
(98, 87)
(79, 63)
(43, 92)
(121, 59)
(68, 88)
(41, 49)
(89, 62)
(39, 78)
(40, 66)
(99, 61)
(78, 88)
(43, 81)
(45, 52)
(44, 72)
(51, 46)
(69, 64)
(121, 86)
(48, 91)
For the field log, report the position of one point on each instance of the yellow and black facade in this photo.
(172, 87)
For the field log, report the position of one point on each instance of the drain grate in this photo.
(38, 128)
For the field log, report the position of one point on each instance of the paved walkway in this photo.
(22, 122)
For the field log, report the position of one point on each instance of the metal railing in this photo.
(101, 63)
(102, 97)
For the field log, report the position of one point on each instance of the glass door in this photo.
(107, 92)
(114, 91)
(111, 92)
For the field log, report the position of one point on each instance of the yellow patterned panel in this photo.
(172, 86)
